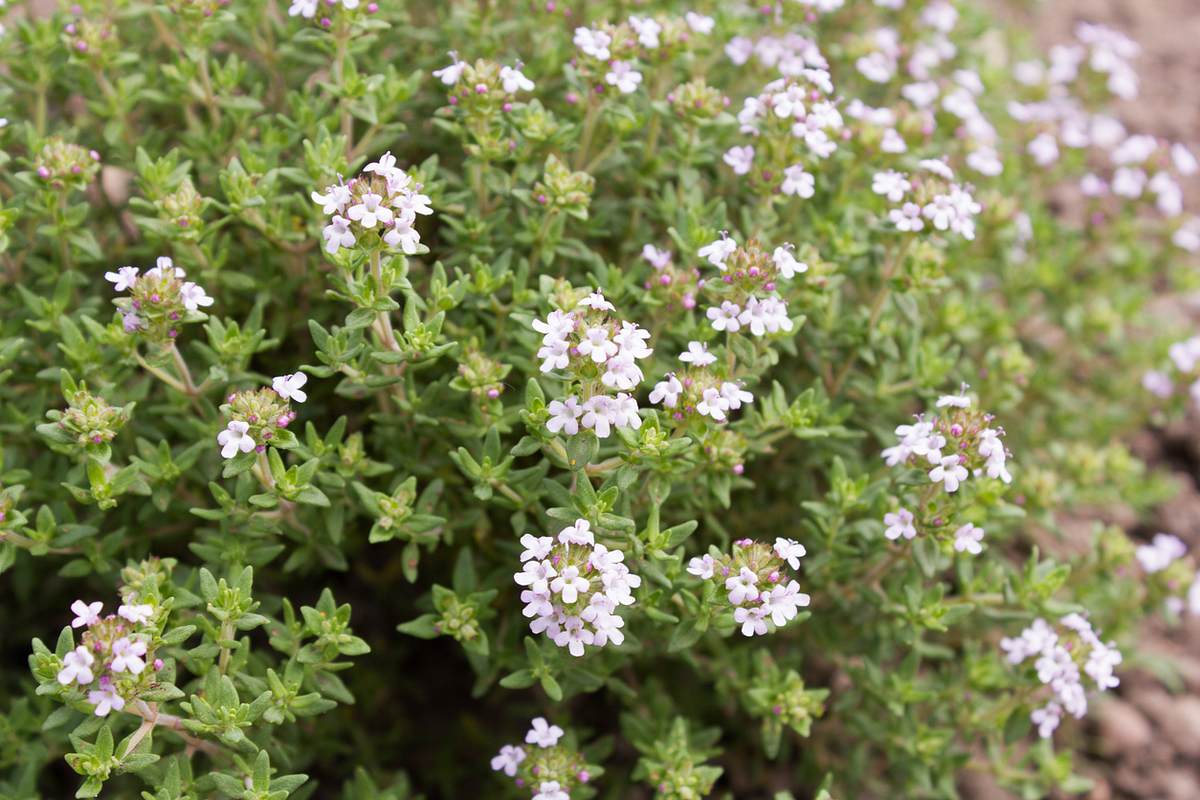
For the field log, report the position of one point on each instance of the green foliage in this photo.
(268, 415)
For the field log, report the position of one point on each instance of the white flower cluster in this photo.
(548, 770)
(802, 107)
(1185, 360)
(953, 445)
(946, 206)
(573, 588)
(890, 140)
(615, 49)
(755, 584)
(259, 415)
(1164, 550)
(1061, 662)
(1138, 164)
(751, 274)
(112, 655)
(308, 8)
(601, 353)
(790, 53)
(968, 538)
(698, 391)
(382, 202)
(158, 299)
(1104, 50)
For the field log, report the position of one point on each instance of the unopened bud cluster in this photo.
(62, 165)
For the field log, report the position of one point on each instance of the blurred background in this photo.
(1144, 739)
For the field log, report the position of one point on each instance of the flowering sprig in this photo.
(1183, 370)
(790, 115)
(929, 197)
(746, 295)
(596, 354)
(307, 9)
(482, 94)
(377, 210)
(1061, 658)
(574, 587)
(952, 444)
(256, 419)
(700, 389)
(755, 582)
(115, 659)
(159, 300)
(546, 765)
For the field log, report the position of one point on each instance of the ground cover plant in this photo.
(678, 393)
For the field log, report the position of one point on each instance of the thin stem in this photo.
(210, 98)
(150, 714)
(383, 319)
(262, 471)
(589, 129)
(29, 544)
(227, 633)
(158, 373)
(63, 241)
(184, 372)
(508, 492)
(339, 77)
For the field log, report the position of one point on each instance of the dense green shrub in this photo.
(570, 365)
